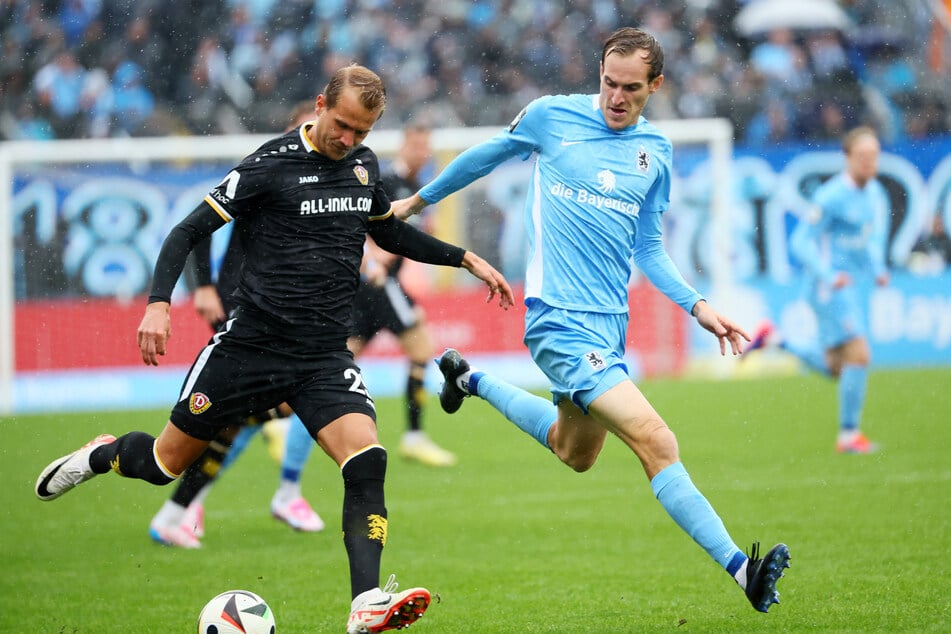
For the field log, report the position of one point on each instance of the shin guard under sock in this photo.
(853, 381)
(132, 456)
(693, 513)
(364, 516)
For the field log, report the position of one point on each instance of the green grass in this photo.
(511, 540)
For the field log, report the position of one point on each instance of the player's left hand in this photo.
(494, 280)
(724, 329)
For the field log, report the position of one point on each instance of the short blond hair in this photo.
(372, 91)
(853, 135)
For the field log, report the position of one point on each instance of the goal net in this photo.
(86, 218)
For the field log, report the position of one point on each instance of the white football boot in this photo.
(63, 474)
(379, 610)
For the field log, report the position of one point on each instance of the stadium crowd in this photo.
(98, 68)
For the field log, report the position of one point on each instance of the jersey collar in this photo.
(306, 139)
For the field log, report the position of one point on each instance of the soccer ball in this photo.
(236, 612)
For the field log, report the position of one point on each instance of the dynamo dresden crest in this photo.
(362, 174)
(198, 403)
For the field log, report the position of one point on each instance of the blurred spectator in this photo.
(132, 102)
(772, 125)
(216, 65)
(932, 253)
(59, 86)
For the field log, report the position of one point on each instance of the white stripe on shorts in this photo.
(403, 309)
(202, 360)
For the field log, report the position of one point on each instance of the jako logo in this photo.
(308, 179)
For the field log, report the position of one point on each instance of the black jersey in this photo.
(397, 187)
(301, 220)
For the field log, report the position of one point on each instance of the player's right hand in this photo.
(207, 303)
(497, 284)
(842, 279)
(406, 207)
(154, 331)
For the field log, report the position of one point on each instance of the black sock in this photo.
(364, 517)
(130, 456)
(415, 396)
(202, 471)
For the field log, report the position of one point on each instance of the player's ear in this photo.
(321, 104)
(656, 83)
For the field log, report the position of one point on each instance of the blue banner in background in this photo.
(909, 320)
(95, 230)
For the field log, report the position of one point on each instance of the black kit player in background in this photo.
(382, 303)
(303, 204)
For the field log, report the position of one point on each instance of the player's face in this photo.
(862, 161)
(625, 89)
(342, 127)
(416, 150)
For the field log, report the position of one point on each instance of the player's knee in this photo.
(580, 462)
(654, 437)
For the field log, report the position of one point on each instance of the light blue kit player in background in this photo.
(600, 185)
(840, 243)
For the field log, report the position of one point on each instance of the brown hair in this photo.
(372, 92)
(303, 108)
(856, 133)
(628, 40)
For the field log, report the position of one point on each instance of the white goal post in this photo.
(20, 157)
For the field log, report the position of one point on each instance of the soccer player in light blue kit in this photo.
(841, 245)
(600, 185)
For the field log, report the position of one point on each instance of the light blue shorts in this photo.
(840, 314)
(581, 353)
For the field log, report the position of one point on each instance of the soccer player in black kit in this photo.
(381, 303)
(303, 203)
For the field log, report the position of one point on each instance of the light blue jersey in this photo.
(844, 230)
(596, 198)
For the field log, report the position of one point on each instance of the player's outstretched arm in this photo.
(493, 279)
(724, 328)
(154, 331)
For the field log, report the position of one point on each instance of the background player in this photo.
(382, 303)
(840, 243)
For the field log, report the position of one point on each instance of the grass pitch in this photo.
(511, 540)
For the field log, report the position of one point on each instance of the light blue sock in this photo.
(239, 444)
(852, 385)
(297, 450)
(814, 358)
(687, 506)
(532, 414)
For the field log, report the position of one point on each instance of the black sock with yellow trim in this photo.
(364, 516)
(130, 456)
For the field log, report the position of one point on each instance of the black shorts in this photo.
(248, 367)
(379, 307)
